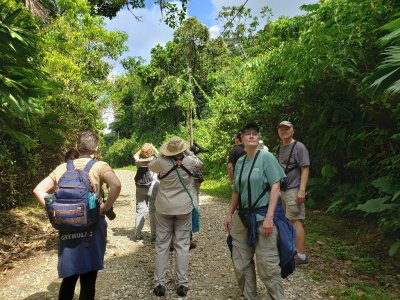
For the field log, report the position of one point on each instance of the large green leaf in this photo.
(385, 184)
(394, 248)
(375, 205)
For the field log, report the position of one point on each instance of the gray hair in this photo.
(88, 142)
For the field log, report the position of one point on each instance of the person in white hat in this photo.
(144, 181)
(294, 159)
(174, 204)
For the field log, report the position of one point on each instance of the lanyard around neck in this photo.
(248, 180)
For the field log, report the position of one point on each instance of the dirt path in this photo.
(128, 271)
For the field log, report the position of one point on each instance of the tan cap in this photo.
(285, 123)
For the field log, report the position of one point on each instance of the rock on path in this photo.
(129, 266)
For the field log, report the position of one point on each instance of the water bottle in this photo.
(47, 198)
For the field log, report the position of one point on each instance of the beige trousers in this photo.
(267, 262)
(175, 229)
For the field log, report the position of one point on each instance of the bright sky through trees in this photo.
(152, 31)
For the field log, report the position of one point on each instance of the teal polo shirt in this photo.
(266, 171)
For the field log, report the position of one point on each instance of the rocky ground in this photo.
(129, 265)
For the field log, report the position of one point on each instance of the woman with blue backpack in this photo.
(75, 210)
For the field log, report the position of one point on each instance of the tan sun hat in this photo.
(146, 151)
(174, 146)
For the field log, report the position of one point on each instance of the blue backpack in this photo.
(74, 206)
(286, 243)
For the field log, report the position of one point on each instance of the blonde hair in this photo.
(146, 151)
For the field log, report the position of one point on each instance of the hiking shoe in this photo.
(159, 290)
(300, 261)
(193, 245)
(182, 290)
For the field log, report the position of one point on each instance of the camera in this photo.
(196, 149)
(284, 185)
(198, 176)
(110, 214)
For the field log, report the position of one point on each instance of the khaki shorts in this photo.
(294, 211)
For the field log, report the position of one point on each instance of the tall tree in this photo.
(172, 12)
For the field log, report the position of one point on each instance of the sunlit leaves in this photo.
(172, 13)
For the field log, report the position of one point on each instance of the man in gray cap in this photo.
(294, 159)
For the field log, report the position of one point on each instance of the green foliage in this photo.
(309, 69)
(121, 153)
(386, 78)
(40, 118)
(218, 188)
(22, 83)
(128, 168)
(174, 12)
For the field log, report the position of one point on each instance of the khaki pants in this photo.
(267, 261)
(175, 229)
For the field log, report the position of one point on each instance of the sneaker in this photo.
(193, 245)
(182, 290)
(300, 261)
(138, 239)
(159, 290)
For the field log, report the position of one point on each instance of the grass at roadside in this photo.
(354, 254)
(351, 253)
(128, 168)
(218, 188)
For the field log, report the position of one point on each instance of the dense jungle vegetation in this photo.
(333, 71)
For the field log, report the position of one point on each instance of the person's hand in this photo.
(228, 223)
(102, 209)
(267, 226)
(178, 163)
(301, 196)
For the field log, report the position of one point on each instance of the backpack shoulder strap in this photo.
(290, 156)
(70, 165)
(89, 165)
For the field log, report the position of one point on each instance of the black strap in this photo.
(267, 188)
(288, 161)
(169, 172)
(176, 166)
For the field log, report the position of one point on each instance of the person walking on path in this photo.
(236, 152)
(255, 195)
(146, 189)
(294, 159)
(174, 205)
(82, 255)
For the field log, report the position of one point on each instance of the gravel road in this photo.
(129, 266)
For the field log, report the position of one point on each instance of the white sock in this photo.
(302, 256)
